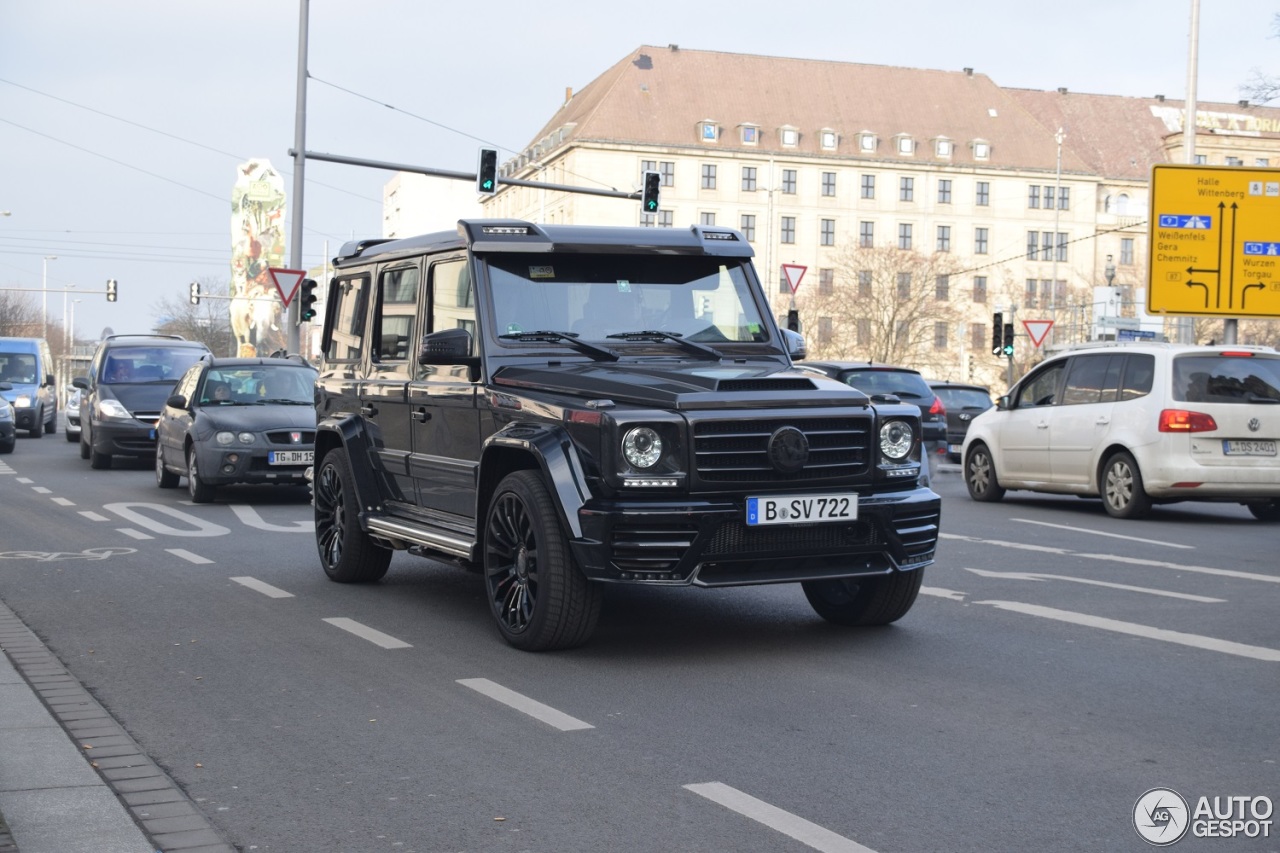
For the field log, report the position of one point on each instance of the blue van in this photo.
(27, 367)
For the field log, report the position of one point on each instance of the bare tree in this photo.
(885, 304)
(1264, 88)
(19, 315)
(208, 322)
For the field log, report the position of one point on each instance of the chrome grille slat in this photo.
(737, 451)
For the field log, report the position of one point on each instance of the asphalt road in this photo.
(1058, 664)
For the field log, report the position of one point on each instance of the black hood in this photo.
(143, 397)
(684, 384)
(255, 418)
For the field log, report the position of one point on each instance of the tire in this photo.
(1269, 511)
(37, 429)
(980, 475)
(51, 425)
(84, 445)
(876, 600)
(7, 446)
(165, 478)
(537, 595)
(1121, 488)
(200, 491)
(347, 553)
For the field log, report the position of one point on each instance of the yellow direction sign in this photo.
(1215, 241)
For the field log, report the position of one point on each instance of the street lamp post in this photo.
(74, 303)
(44, 294)
(66, 332)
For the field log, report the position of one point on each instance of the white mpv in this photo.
(1136, 424)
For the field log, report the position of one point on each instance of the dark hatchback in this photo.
(905, 383)
(963, 402)
(237, 420)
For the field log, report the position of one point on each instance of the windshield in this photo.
(905, 385)
(17, 368)
(258, 384)
(595, 296)
(143, 365)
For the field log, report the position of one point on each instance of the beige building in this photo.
(1005, 191)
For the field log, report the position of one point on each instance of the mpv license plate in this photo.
(1248, 447)
(805, 509)
(290, 457)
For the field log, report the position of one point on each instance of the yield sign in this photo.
(793, 272)
(1037, 329)
(286, 282)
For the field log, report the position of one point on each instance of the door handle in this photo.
(421, 416)
(369, 411)
(1042, 425)
(1102, 421)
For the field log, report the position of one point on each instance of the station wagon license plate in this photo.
(1247, 447)
(804, 509)
(290, 457)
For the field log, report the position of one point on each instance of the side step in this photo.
(401, 535)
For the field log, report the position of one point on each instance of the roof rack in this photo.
(144, 335)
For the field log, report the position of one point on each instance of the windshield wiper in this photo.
(597, 352)
(657, 335)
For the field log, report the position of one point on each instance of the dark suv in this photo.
(558, 407)
(129, 379)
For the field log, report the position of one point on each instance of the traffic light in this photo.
(793, 320)
(111, 290)
(997, 329)
(307, 302)
(487, 172)
(195, 293)
(1008, 340)
(649, 199)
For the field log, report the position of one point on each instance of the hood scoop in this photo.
(788, 384)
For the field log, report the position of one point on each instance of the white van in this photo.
(27, 367)
(1137, 424)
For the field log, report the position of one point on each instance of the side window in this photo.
(1087, 380)
(1042, 388)
(453, 296)
(348, 319)
(397, 310)
(1138, 373)
(187, 387)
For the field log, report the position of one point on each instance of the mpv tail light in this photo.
(1181, 420)
(937, 408)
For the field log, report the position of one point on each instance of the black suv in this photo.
(129, 379)
(557, 407)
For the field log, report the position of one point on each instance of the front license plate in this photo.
(151, 434)
(805, 509)
(290, 457)
(1248, 447)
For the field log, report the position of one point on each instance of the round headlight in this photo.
(225, 437)
(641, 447)
(896, 438)
(246, 438)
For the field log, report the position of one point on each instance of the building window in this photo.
(1126, 250)
(748, 227)
(982, 197)
(648, 220)
(944, 191)
(828, 234)
(866, 235)
(708, 176)
(826, 282)
(707, 218)
(980, 241)
(1262, 161)
(1234, 161)
(981, 150)
(864, 331)
(904, 286)
(749, 179)
(1033, 195)
(868, 186)
(1033, 245)
(939, 335)
(1030, 295)
(750, 134)
(829, 139)
(829, 183)
(788, 229)
(789, 181)
(942, 147)
(902, 332)
(867, 142)
(667, 168)
(709, 131)
(824, 330)
(790, 137)
(1050, 197)
(904, 235)
(977, 337)
(906, 145)
(942, 288)
(906, 189)
(979, 288)
(1062, 246)
(864, 284)
(784, 284)
(1202, 159)
(648, 166)
(944, 238)
(1046, 246)
(1064, 198)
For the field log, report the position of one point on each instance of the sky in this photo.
(122, 123)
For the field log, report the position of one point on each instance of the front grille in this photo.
(734, 538)
(147, 417)
(737, 451)
(650, 549)
(285, 437)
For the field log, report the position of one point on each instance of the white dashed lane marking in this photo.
(806, 832)
(364, 632)
(525, 705)
(93, 516)
(188, 556)
(264, 588)
(134, 534)
(62, 502)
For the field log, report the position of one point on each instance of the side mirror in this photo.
(796, 347)
(447, 346)
(177, 401)
(1004, 403)
(81, 382)
(49, 379)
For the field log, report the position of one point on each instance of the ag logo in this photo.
(1161, 817)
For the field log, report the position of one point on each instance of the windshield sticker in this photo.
(514, 329)
(624, 286)
(542, 272)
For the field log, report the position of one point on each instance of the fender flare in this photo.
(346, 432)
(557, 459)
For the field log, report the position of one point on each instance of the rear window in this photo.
(1226, 379)
(964, 398)
(908, 386)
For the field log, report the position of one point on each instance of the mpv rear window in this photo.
(908, 386)
(1226, 378)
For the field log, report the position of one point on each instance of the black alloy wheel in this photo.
(347, 553)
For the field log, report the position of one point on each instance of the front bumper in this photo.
(708, 543)
(8, 432)
(221, 465)
(25, 418)
(124, 438)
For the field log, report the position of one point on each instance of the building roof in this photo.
(658, 96)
